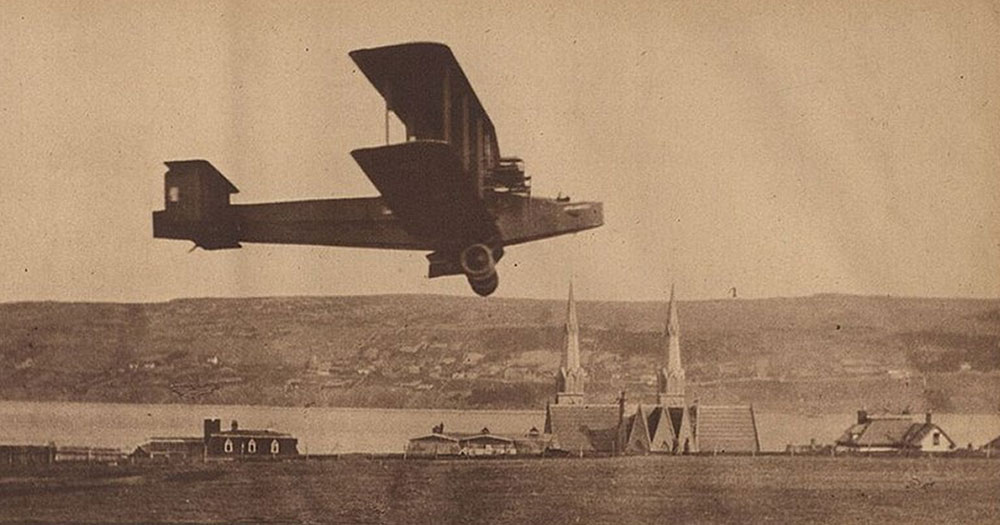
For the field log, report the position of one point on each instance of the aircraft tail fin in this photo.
(196, 206)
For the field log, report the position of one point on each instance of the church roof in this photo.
(637, 432)
(654, 419)
(583, 428)
(726, 429)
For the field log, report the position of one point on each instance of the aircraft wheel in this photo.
(477, 261)
(485, 286)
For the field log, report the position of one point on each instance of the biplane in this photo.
(446, 189)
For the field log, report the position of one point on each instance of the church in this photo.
(671, 425)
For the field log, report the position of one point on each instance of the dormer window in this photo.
(937, 438)
(252, 447)
(275, 447)
(228, 447)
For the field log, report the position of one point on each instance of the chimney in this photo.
(235, 426)
(212, 426)
(862, 417)
(927, 418)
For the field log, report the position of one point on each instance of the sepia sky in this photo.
(780, 148)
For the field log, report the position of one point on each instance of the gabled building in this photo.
(237, 443)
(894, 433)
(584, 429)
(576, 427)
(636, 433)
(667, 426)
(672, 426)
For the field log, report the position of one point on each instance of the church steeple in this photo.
(670, 387)
(570, 378)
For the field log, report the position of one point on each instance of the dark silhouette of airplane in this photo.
(445, 190)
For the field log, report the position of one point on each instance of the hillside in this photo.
(811, 354)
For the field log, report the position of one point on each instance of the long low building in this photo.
(11, 455)
(480, 444)
(170, 449)
(45, 454)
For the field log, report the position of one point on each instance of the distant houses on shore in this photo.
(215, 444)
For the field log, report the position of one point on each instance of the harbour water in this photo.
(324, 430)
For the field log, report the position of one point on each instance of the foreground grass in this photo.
(612, 490)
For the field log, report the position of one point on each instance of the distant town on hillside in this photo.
(806, 355)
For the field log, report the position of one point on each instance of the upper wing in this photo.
(425, 87)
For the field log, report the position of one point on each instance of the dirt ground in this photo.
(609, 490)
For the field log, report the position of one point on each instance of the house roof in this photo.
(165, 445)
(583, 428)
(184, 439)
(486, 437)
(435, 437)
(250, 433)
(888, 432)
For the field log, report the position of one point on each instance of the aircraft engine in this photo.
(479, 266)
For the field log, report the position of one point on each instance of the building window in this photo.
(252, 447)
(275, 447)
(174, 194)
(937, 439)
(228, 447)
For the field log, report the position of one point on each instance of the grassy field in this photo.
(612, 490)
